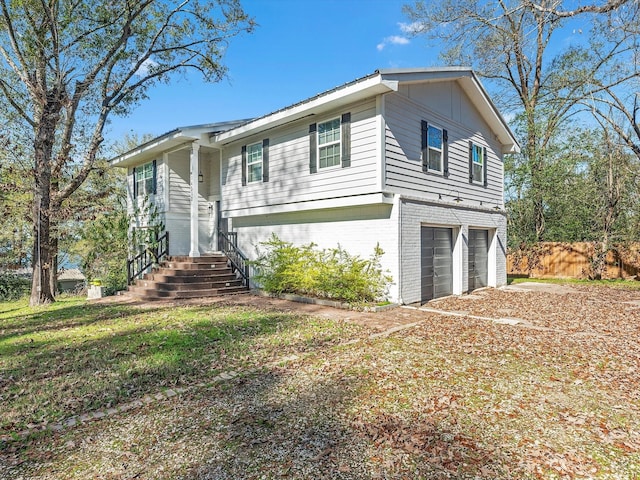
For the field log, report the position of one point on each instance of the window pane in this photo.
(329, 156)
(477, 157)
(477, 154)
(255, 172)
(254, 153)
(434, 137)
(144, 179)
(435, 160)
(477, 173)
(329, 132)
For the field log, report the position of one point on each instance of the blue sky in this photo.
(299, 49)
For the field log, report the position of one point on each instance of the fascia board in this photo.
(156, 147)
(367, 88)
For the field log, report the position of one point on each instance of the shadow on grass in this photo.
(57, 377)
(270, 426)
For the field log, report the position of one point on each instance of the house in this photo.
(410, 159)
(71, 279)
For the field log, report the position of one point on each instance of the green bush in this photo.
(333, 273)
(12, 286)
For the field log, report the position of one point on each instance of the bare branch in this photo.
(610, 6)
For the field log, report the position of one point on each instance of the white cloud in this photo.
(147, 65)
(392, 40)
(410, 28)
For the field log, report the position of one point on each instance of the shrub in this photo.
(12, 286)
(282, 267)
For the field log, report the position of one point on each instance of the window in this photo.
(144, 178)
(254, 162)
(477, 160)
(329, 148)
(434, 144)
(434, 149)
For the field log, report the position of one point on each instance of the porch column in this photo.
(194, 170)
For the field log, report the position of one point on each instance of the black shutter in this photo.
(135, 182)
(265, 160)
(244, 165)
(154, 181)
(313, 148)
(423, 146)
(346, 140)
(445, 152)
(470, 161)
(486, 167)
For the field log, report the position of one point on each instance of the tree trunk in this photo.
(42, 259)
(40, 285)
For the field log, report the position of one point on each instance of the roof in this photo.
(380, 81)
(71, 274)
(172, 139)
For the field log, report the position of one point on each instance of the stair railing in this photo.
(151, 255)
(228, 244)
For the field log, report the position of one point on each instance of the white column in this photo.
(194, 170)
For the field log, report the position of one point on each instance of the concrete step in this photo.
(218, 276)
(219, 269)
(182, 277)
(202, 259)
(169, 287)
(153, 294)
(194, 265)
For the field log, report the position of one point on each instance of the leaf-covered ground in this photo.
(328, 395)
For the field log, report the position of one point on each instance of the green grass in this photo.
(615, 283)
(73, 356)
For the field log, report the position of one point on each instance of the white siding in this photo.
(135, 204)
(356, 229)
(446, 106)
(289, 177)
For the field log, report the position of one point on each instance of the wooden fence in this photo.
(572, 260)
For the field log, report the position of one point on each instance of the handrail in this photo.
(150, 256)
(228, 244)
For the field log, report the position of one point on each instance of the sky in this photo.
(299, 48)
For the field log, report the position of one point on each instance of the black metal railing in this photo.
(151, 255)
(228, 244)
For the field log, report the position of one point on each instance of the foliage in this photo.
(67, 67)
(12, 286)
(590, 192)
(545, 87)
(149, 226)
(283, 267)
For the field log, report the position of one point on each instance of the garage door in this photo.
(437, 262)
(478, 258)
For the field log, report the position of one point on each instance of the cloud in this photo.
(145, 67)
(392, 40)
(411, 28)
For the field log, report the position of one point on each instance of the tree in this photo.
(68, 66)
(508, 42)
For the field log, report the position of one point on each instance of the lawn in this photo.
(277, 393)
